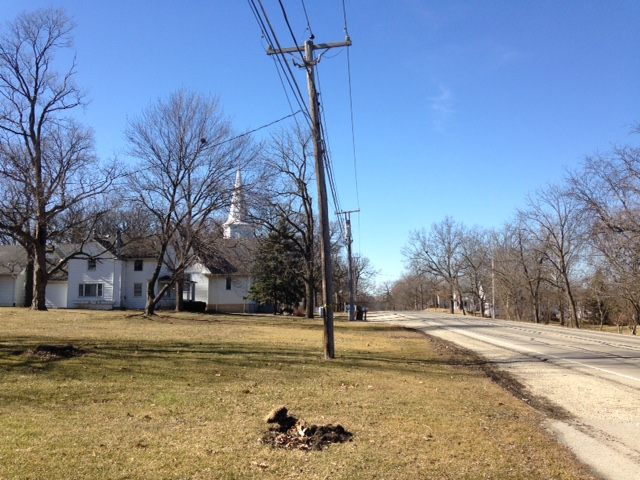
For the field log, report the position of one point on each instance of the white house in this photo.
(108, 277)
(105, 275)
(13, 260)
(96, 278)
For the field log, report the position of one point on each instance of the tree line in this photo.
(171, 197)
(571, 255)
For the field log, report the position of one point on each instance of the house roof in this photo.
(230, 256)
(13, 259)
(129, 248)
(88, 249)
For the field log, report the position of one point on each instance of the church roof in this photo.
(238, 209)
(231, 256)
(237, 224)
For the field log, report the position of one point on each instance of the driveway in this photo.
(593, 376)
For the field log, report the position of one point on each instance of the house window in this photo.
(91, 264)
(90, 290)
(137, 289)
(228, 286)
(137, 265)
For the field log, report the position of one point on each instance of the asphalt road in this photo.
(594, 376)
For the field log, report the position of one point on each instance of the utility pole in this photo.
(349, 240)
(325, 244)
(493, 288)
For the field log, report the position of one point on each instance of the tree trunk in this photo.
(462, 307)
(150, 307)
(574, 309)
(308, 298)
(536, 311)
(28, 282)
(452, 300)
(179, 289)
(152, 300)
(40, 270)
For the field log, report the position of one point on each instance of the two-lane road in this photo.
(594, 376)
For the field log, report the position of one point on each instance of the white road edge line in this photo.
(500, 343)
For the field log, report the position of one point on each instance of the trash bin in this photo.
(358, 312)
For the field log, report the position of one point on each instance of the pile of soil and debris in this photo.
(55, 352)
(290, 433)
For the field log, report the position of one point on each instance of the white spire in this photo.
(236, 225)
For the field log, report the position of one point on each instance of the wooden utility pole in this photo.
(325, 244)
(493, 288)
(349, 240)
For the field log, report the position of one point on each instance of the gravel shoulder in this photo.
(593, 412)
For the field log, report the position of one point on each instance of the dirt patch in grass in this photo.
(302, 437)
(52, 352)
(292, 434)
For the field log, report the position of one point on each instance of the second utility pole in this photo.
(325, 242)
(349, 240)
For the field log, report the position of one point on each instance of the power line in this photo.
(353, 130)
(272, 39)
(344, 16)
(293, 35)
(306, 15)
(249, 132)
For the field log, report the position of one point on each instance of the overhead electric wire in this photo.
(293, 83)
(272, 39)
(353, 131)
(306, 15)
(293, 35)
(353, 136)
(344, 17)
(249, 132)
(327, 158)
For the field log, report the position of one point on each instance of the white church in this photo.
(106, 278)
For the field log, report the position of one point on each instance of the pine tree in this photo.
(277, 278)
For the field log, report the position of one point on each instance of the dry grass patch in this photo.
(184, 396)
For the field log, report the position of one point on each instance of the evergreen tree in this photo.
(277, 277)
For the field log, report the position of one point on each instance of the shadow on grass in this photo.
(179, 360)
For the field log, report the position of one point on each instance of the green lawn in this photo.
(183, 396)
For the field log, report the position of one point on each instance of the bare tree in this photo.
(530, 259)
(412, 292)
(476, 258)
(287, 197)
(187, 159)
(48, 171)
(556, 221)
(608, 188)
(364, 274)
(438, 253)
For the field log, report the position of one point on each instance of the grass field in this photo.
(183, 396)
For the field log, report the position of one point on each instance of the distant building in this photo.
(106, 275)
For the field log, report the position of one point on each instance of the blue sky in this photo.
(461, 107)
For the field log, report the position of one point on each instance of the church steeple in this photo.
(236, 225)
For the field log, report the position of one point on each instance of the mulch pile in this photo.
(292, 434)
(55, 352)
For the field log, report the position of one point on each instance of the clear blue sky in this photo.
(461, 107)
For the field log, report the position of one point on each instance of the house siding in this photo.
(130, 277)
(20, 285)
(234, 300)
(56, 294)
(80, 273)
(7, 290)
